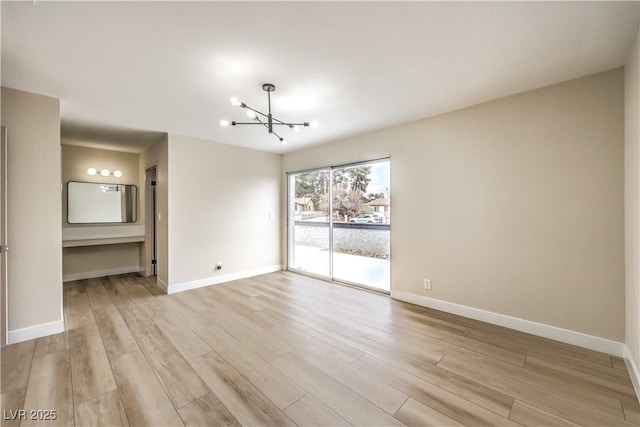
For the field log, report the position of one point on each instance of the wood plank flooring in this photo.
(285, 349)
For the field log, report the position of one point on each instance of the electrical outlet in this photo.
(427, 284)
(219, 265)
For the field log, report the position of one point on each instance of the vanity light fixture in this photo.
(104, 172)
(267, 120)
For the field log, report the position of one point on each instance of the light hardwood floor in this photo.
(285, 349)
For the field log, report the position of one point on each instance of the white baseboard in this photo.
(215, 280)
(547, 331)
(634, 371)
(162, 285)
(102, 273)
(37, 331)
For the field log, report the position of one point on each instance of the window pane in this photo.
(309, 222)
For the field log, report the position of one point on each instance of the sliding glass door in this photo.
(340, 223)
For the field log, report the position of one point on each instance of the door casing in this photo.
(4, 247)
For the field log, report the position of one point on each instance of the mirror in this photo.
(90, 202)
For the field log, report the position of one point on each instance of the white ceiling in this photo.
(125, 71)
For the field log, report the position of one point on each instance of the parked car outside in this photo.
(367, 219)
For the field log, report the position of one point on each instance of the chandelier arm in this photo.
(255, 111)
(266, 125)
(279, 137)
(260, 122)
(279, 122)
(269, 127)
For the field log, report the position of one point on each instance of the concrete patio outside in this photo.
(371, 272)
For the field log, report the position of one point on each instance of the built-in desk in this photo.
(101, 241)
(101, 235)
(97, 251)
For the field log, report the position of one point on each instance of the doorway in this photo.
(151, 222)
(339, 224)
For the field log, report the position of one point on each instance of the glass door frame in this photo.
(290, 208)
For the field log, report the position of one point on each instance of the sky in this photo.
(380, 177)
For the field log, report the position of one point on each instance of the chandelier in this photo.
(266, 120)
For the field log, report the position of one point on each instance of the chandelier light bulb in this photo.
(224, 123)
(105, 172)
(235, 102)
(283, 141)
(251, 114)
(313, 124)
(92, 171)
(117, 173)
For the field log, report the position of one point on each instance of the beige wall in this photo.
(632, 200)
(224, 205)
(76, 160)
(514, 206)
(34, 208)
(156, 155)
